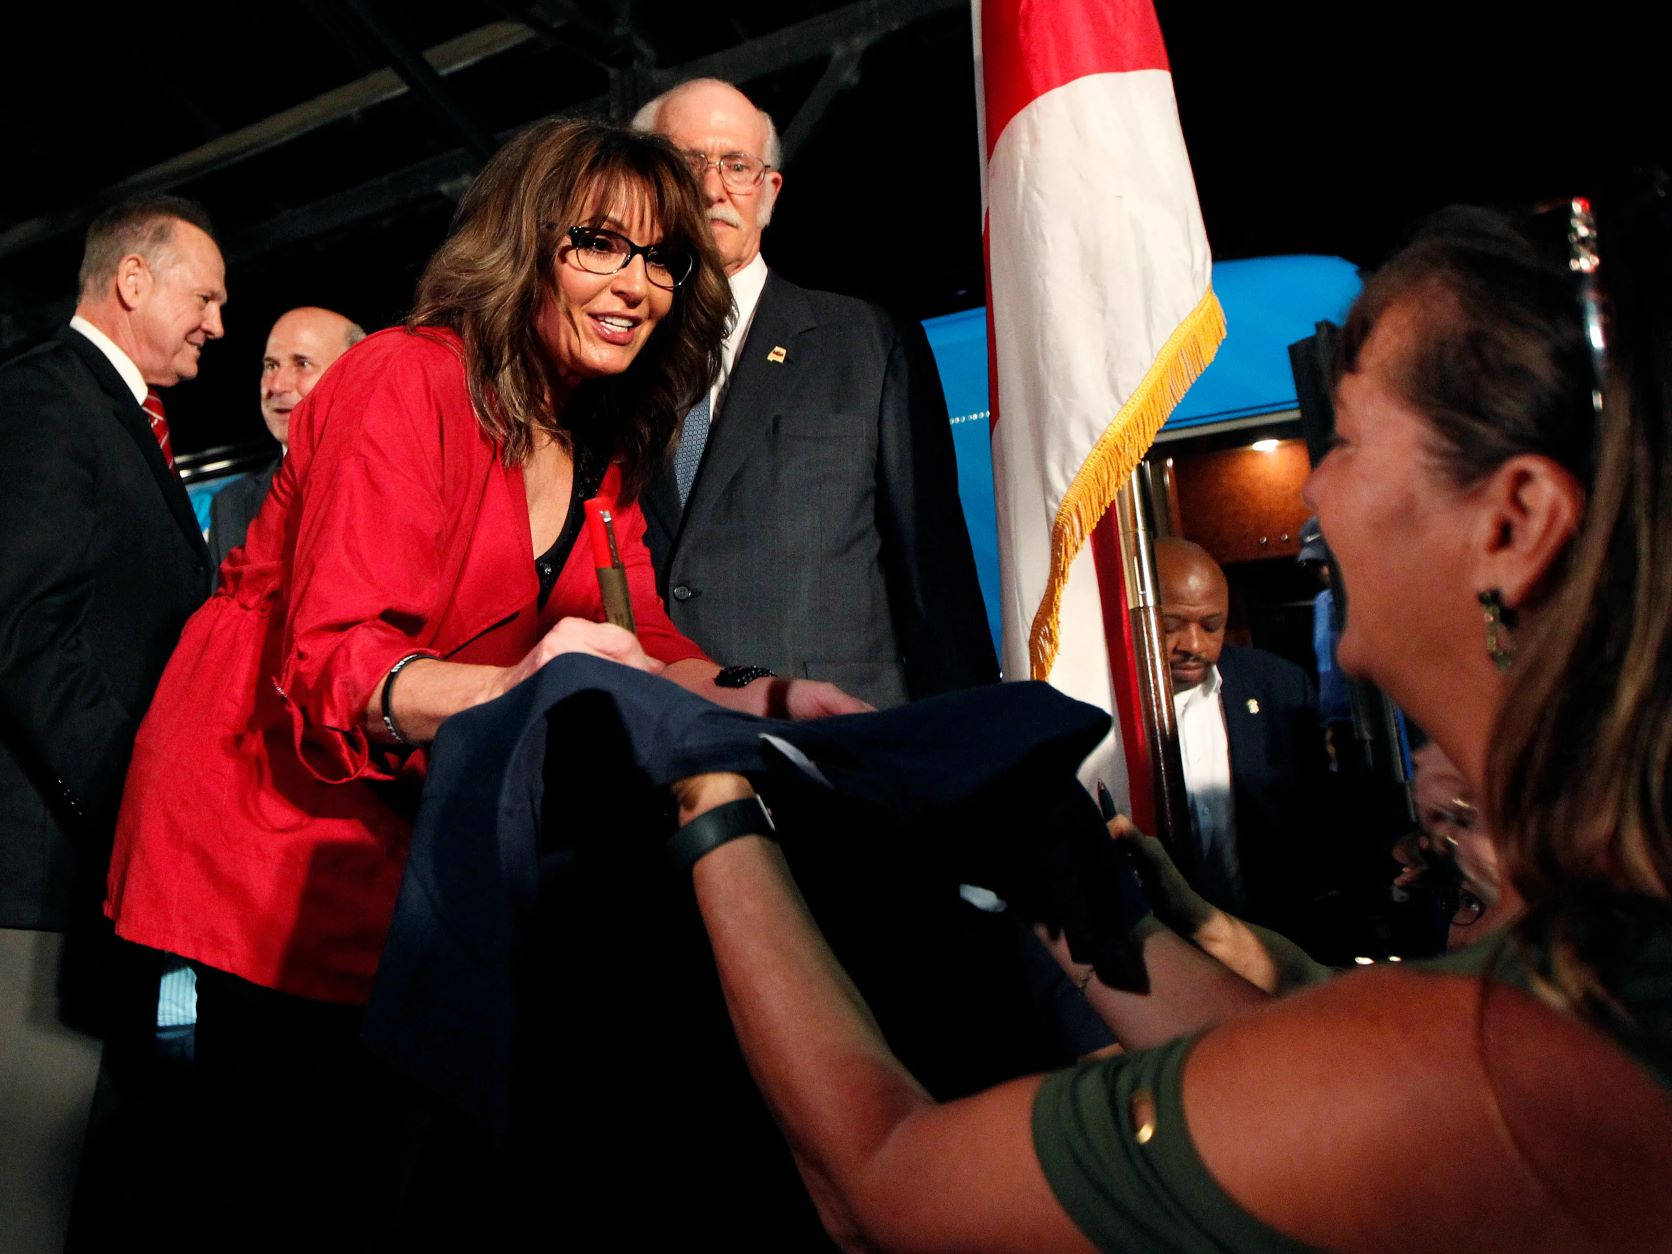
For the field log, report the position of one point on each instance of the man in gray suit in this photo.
(809, 520)
(302, 343)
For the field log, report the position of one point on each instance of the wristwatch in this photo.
(708, 831)
(741, 676)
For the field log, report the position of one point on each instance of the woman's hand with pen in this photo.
(580, 635)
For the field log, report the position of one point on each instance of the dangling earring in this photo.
(1497, 622)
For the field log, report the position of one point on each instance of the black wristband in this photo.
(706, 832)
(741, 676)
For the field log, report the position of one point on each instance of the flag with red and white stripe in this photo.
(1100, 307)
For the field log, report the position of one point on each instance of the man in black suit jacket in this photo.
(1253, 753)
(1280, 785)
(302, 343)
(104, 562)
(813, 526)
(104, 558)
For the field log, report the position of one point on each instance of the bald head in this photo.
(710, 93)
(1194, 602)
(300, 346)
(714, 119)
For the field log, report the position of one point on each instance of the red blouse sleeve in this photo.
(371, 523)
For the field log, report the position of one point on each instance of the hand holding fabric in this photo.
(1170, 896)
(580, 635)
(1055, 864)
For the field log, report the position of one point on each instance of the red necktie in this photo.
(153, 405)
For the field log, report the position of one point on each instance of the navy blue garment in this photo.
(565, 776)
(548, 977)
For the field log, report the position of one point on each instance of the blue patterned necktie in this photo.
(692, 436)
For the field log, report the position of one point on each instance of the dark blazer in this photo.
(1279, 780)
(823, 536)
(231, 511)
(103, 564)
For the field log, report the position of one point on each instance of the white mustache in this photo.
(725, 213)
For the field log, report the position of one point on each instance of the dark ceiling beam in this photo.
(445, 176)
(258, 137)
(420, 76)
(439, 175)
(564, 28)
(840, 73)
(868, 20)
(628, 90)
(855, 25)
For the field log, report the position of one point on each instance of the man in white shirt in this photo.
(1250, 745)
(104, 562)
(809, 520)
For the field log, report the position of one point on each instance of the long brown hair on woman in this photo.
(1579, 767)
(488, 280)
(1581, 746)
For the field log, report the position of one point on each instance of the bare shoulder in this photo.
(1397, 1109)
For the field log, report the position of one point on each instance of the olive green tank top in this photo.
(1112, 1138)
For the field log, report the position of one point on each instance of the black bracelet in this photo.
(707, 832)
(388, 686)
(741, 676)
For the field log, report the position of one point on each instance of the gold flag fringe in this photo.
(1121, 447)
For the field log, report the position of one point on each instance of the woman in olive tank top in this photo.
(1499, 502)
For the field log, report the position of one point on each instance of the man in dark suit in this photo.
(104, 562)
(302, 343)
(809, 521)
(1254, 763)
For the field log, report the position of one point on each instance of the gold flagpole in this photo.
(1135, 510)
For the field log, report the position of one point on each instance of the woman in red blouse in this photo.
(416, 557)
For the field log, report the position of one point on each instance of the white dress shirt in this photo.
(123, 363)
(1206, 754)
(746, 287)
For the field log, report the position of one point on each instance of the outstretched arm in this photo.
(1189, 990)
(1262, 957)
(774, 697)
(1311, 1119)
(886, 1166)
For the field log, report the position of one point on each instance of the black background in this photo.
(1312, 128)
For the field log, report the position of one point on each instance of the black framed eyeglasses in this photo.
(1434, 875)
(738, 170)
(1461, 907)
(600, 251)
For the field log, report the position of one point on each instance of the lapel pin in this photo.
(778, 354)
(1253, 706)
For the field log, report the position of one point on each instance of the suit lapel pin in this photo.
(778, 353)
(1253, 706)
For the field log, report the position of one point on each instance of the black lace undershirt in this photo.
(549, 565)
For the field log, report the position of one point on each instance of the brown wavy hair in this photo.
(1581, 753)
(488, 281)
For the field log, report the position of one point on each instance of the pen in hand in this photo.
(606, 558)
